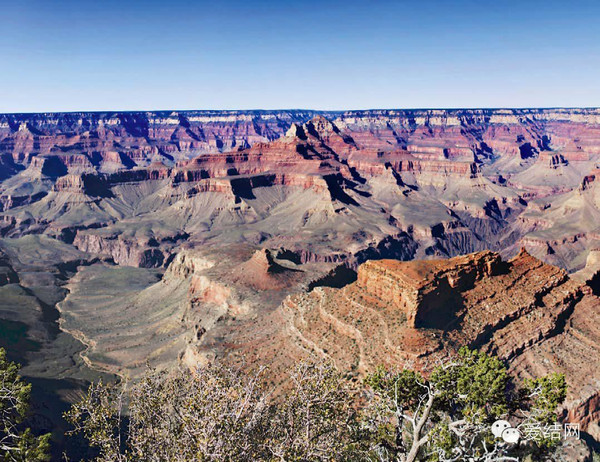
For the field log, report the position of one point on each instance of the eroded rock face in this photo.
(239, 209)
(198, 226)
(487, 179)
(88, 184)
(114, 141)
(7, 273)
(122, 251)
(529, 313)
(262, 272)
(590, 274)
(425, 290)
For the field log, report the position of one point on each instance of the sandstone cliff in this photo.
(196, 227)
(414, 313)
(497, 179)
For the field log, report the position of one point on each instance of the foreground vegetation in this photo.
(216, 413)
(17, 442)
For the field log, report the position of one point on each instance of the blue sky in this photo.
(142, 55)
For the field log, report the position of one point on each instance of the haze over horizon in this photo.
(300, 109)
(129, 56)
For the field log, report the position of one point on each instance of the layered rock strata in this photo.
(416, 313)
(497, 179)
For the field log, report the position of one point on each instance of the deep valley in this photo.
(261, 237)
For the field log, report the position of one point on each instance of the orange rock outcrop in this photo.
(424, 289)
(262, 272)
(531, 314)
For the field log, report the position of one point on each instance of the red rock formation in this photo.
(122, 140)
(587, 181)
(388, 164)
(529, 313)
(336, 188)
(115, 141)
(423, 290)
(552, 159)
(262, 272)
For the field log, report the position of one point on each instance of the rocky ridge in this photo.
(415, 313)
(489, 178)
(197, 227)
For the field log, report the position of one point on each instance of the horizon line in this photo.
(336, 111)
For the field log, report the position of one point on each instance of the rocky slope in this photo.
(439, 182)
(197, 226)
(112, 141)
(415, 313)
(193, 312)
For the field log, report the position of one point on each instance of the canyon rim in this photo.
(264, 237)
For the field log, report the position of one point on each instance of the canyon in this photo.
(418, 313)
(364, 237)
